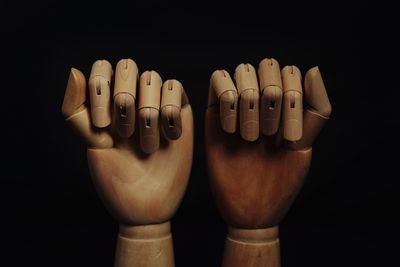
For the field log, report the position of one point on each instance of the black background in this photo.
(346, 214)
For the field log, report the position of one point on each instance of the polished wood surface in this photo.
(148, 246)
(257, 168)
(252, 248)
(138, 188)
(140, 169)
(254, 183)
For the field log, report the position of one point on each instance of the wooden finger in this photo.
(223, 89)
(292, 108)
(317, 111)
(248, 90)
(315, 92)
(269, 75)
(126, 74)
(75, 94)
(171, 102)
(77, 114)
(148, 109)
(99, 88)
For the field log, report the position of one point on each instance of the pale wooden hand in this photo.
(141, 175)
(255, 177)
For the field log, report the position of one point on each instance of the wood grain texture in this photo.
(141, 176)
(252, 248)
(138, 188)
(254, 183)
(145, 246)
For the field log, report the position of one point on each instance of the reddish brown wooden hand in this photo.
(256, 181)
(256, 176)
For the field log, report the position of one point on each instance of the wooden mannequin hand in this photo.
(256, 176)
(141, 175)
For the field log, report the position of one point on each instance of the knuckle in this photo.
(326, 111)
(125, 100)
(272, 92)
(250, 96)
(146, 113)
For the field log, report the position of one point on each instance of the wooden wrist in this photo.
(252, 247)
(144, 245)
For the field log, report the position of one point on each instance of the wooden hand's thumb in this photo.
(77, 114)
(317, 112)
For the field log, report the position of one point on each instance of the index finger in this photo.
(223, 89)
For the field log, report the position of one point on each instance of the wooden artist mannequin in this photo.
(141, 174)
(257, 172)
